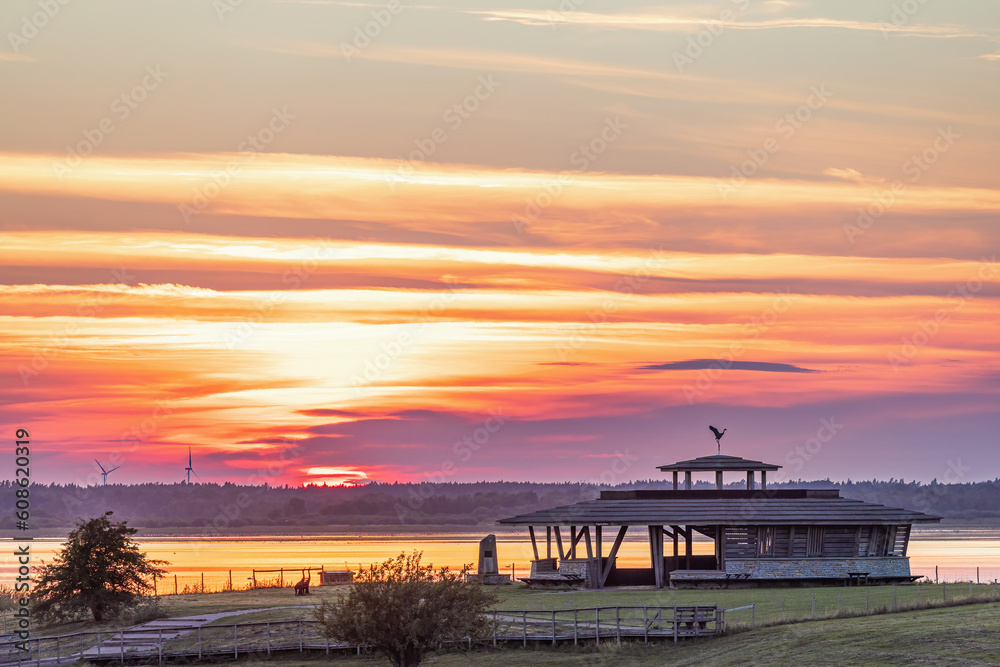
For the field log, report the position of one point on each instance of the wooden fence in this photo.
(266, 638)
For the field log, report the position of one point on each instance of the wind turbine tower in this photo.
(105, 472)
(189, 468)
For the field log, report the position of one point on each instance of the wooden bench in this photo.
(857, 578)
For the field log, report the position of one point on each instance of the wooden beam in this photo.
(675, 480)
(534, 544)
(613, 554)
(559, 544)
(548, 541)
(677, 530)
(573, 539)
(590, 552)
(763, 480)
(750, 480)
(906, 540)
(600, 557)
(721, 564)
(687, 480)
(658, 567)
(718, 479)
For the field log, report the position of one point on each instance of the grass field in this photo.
(949, 636)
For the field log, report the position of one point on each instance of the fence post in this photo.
(57, 649)
(645, 624)
(574, 627)
(269, 639)
(494, 628)
(121, 645)
(154, 586)
(935, 574)
(553, 628)
(98, 644)
(618, 624)
(894, 596)
(597, 625)
(300, 635)
(753, 615)
(202, 582)
(675, 624)
(977, 574)
(812, 614)
(236, 642)
(254, 575)
(281, 578)
(782, 610)
(524, 628)
(175, 584)
(159, 645)
(230, 580)
(199, 642)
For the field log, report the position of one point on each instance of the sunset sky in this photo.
(324, 241)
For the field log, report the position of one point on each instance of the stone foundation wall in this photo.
(818, 568)
(584, 567)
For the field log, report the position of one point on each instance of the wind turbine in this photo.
(105, 472)
(189, 469)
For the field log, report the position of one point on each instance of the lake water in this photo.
(957, 552)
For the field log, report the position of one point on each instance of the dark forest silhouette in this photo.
(213, 507)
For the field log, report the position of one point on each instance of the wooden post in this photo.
(236, 642)
(718, 479)
(269, 638)
(763, 480)
(154, 586)
(524, 628)
(559, 544)
(618, 624)
(175, 584)
(590, 551)
(750, 484)
(255, 579)
(597, 625)
(230, 580)
(548, 541)
(199, 642)
(281, 577)
(553, 628)
(202, 582)
(573, 540)
(935, 574)
(300, 635)
(645, 625)
(159, 645)
(494, 632)
(688, 548)
(575, 627)
(534, 544)
(687, 480)
(675, 480)
(600, 556)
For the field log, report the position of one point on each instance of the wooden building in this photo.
(761, 535)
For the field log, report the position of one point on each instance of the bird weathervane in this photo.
(718, 436)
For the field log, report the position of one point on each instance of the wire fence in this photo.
(832, 602)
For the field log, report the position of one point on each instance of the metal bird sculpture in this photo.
(718, 436)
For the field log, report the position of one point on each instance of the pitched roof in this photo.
(656, 508)
(718, 462)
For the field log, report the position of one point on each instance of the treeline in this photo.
(212, 508)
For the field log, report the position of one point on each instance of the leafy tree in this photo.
(405, 610)
(99, 569)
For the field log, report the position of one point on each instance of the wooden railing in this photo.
(265, 638)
